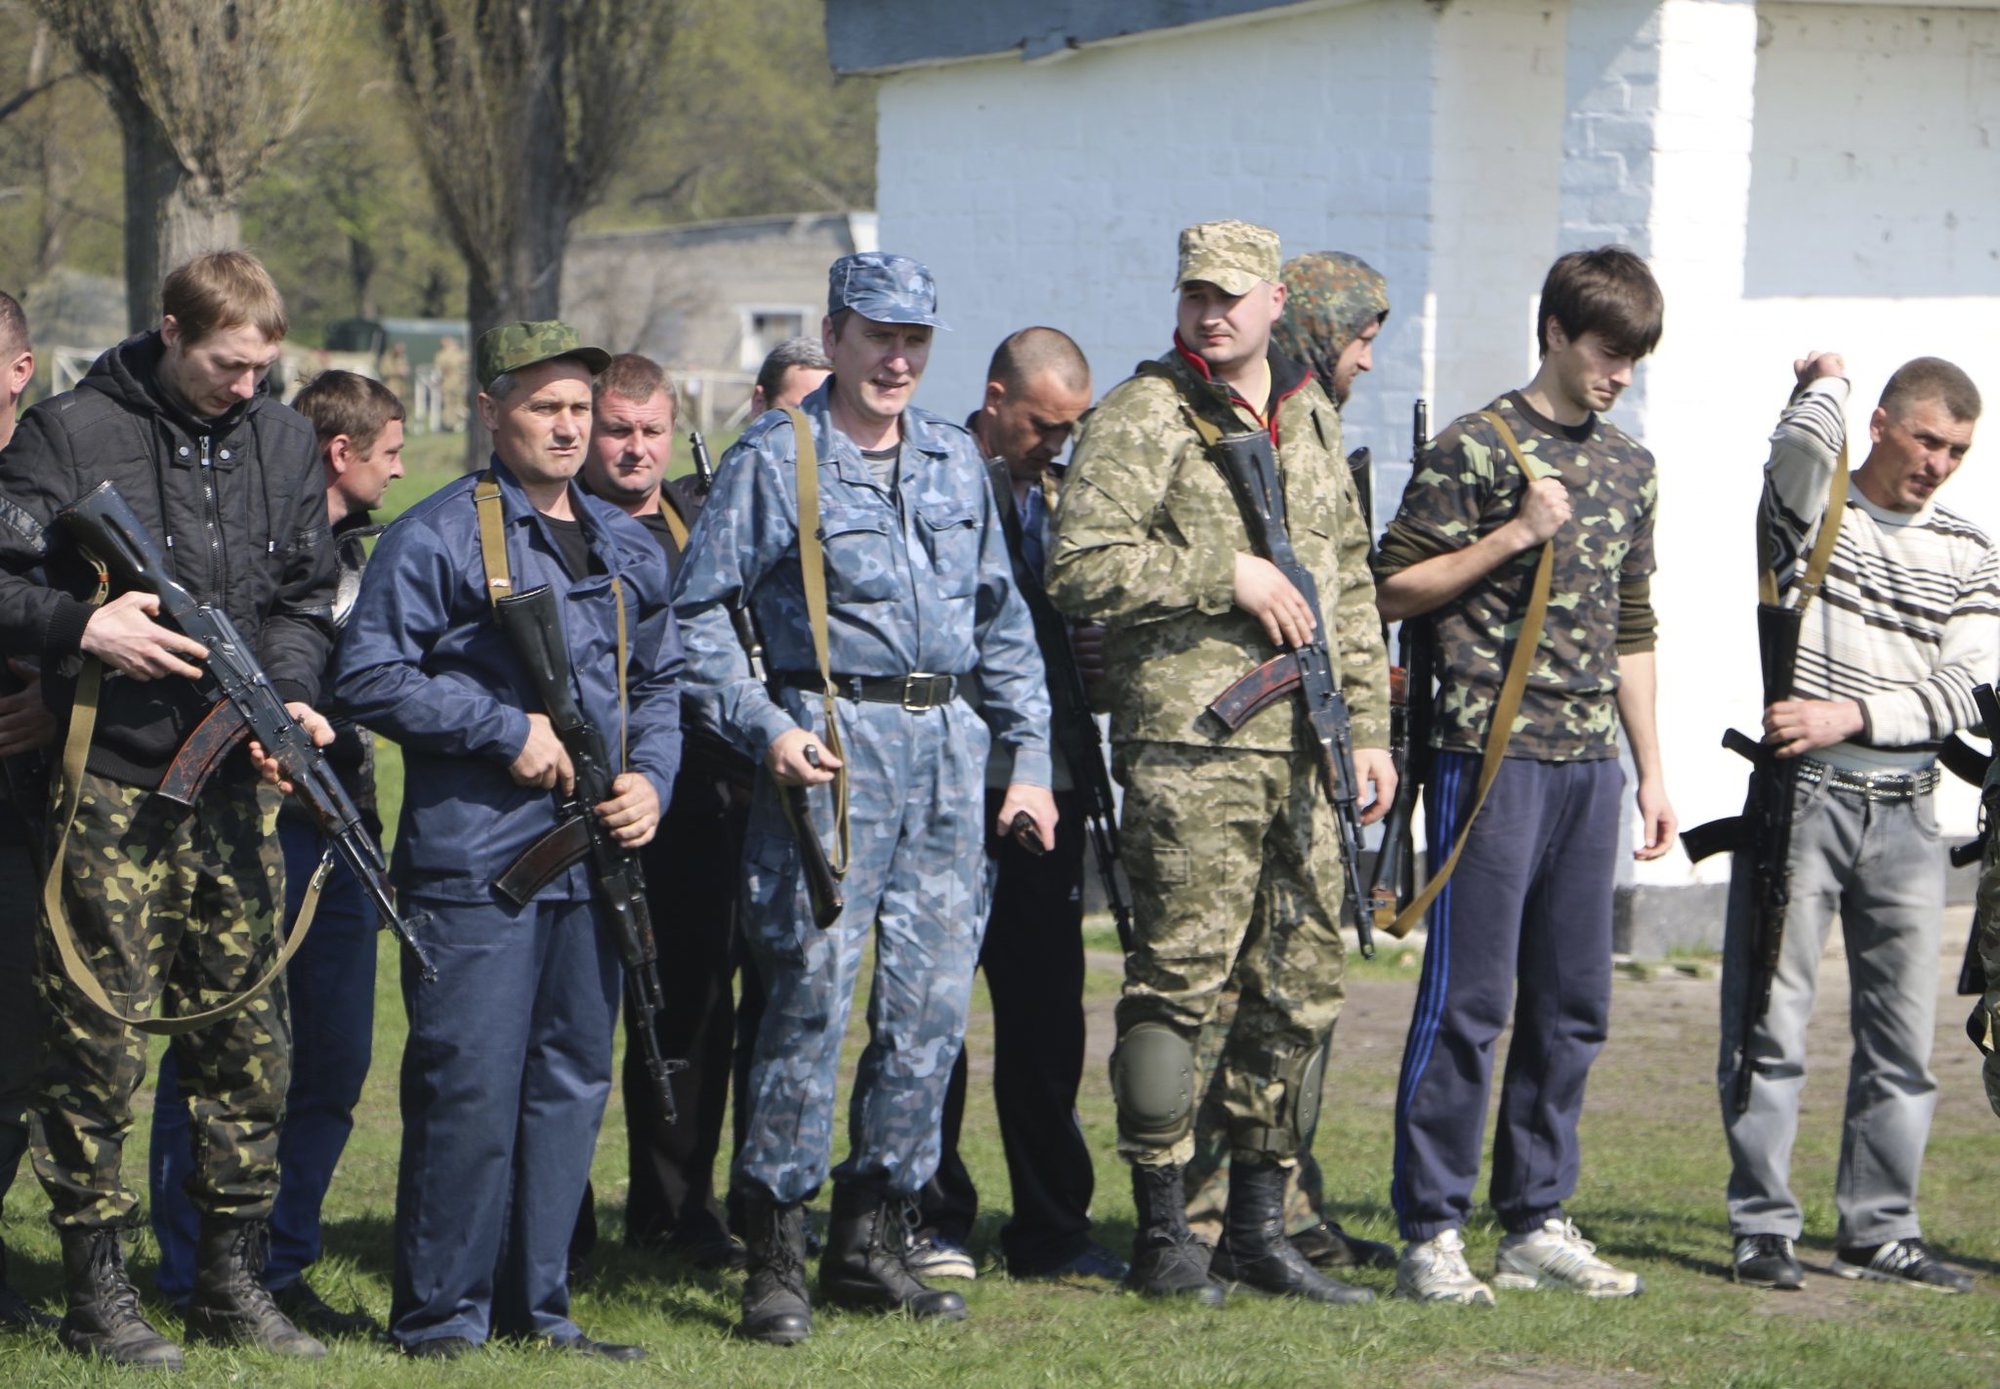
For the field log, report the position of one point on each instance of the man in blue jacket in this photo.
(509, 1056)
(921, 597)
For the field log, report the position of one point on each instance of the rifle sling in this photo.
(76, 752)
(812, 576)
(1505, 709)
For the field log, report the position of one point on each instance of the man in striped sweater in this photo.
(1890, 652)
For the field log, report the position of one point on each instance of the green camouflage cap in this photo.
(1330, 297)
(1232, 255)
(512, 346)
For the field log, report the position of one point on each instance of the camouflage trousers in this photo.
(177, 903)
(1207, 1176)
(1196, 823)
(917, 885)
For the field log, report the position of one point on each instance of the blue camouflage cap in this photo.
(883, 287)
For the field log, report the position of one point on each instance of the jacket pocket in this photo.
(860, 557)
(952, 538)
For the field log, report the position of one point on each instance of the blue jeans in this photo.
(331, 988)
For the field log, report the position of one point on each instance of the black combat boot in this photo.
(1254, 1250)
(775, 1308)
(231, 1305)
(104, 1318)
(1167, 1260)
(862, 1265)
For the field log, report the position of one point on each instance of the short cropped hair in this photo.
(1608, 291)
(222, 290)
(793, 352)
(1026, 354)
(1931, 378)
(634, 378)
(346, 402)
(14, 338)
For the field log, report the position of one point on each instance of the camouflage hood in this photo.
(1329, 298)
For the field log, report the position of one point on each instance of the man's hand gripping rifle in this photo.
(1250, 466)
(110, 533)
(533, 623)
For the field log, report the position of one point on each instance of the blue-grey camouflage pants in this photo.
(916, 879)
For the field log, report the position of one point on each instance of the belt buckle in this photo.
(910, 703)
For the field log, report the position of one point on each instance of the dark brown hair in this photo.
(346, 402)
(634, 378)
(1608, 291)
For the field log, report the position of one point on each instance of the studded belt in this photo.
(1870, 786)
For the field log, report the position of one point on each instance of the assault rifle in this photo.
(1410, 685)
(1075, 730)
(704, 470)
(532, 621)
(111, 533)
(1966, 763)
(1762, 834)
(1251, 469)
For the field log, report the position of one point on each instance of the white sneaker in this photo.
(1558, 1256)
(1436, 1271)
(931, 1255)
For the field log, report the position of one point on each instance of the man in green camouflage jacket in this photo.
(1150, 541)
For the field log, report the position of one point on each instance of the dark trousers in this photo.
(332, 990)
(1530, 903)
(691, 884)
(1033, 958)
(503, 1085)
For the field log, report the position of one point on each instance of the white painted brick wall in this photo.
(1801, 175)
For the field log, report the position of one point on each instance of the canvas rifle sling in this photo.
(812, 576)
(1507, 707)
(76, 753)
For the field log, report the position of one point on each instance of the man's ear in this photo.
(340, 454)
(1877, 422)
(996, 394)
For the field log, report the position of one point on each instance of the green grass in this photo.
(1651, 1196)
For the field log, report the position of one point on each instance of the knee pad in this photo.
(1152, 1081)
(1304, 1077)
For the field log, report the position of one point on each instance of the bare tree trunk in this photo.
(152, 172)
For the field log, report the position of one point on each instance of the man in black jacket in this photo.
(166, 900)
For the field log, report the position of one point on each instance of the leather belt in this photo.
(916, 692)
(1888, 787)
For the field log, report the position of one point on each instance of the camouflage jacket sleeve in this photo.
(1983, 1026)
(1116, 555)
(1361, 657)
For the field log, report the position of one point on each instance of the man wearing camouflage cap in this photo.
(920, 596)
(509, 1056)
(1151, 542)
(1335, 304)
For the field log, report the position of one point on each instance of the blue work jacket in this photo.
(423, 662)
(918, 579)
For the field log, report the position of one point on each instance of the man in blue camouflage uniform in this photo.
(509, 1057)
(920, 594)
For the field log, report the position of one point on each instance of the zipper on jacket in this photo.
(218, 561)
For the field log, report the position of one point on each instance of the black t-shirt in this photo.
(571, 547)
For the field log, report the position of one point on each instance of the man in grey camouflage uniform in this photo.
(1151, 542)
(1335, 304)
(1531, 899)
(920, 595)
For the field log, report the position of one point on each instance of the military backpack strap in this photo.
(69, 791)
(493, 538)
(812, 575)
(1508, 706)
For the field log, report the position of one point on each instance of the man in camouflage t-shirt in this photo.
(1231, 846)
(1530, 903)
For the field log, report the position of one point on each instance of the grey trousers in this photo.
(1881, 867)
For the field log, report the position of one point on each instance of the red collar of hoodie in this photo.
(1288, 378)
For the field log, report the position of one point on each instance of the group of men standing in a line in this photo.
(841, 647)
